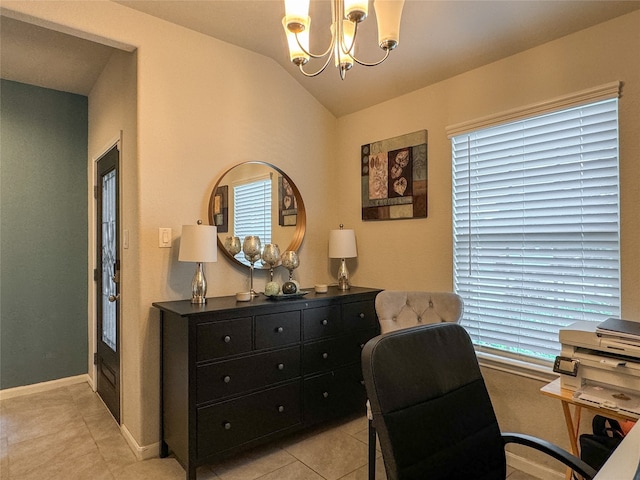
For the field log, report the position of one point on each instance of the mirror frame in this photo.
(301, 218)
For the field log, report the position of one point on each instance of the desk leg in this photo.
(572, 430)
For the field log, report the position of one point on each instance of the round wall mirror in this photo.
(257, 199)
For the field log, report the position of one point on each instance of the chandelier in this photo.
(345, 17)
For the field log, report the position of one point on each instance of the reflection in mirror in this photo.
(257, 198)
(271, 257)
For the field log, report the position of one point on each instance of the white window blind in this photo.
(252, 211)
(536, 227)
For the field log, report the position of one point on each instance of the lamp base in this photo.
(199, 286)
(343, 276)
(198, 300)
(343, 284)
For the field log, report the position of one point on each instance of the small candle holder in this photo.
(290, 261)
(271, 256)
(232, 245)
(251, 248)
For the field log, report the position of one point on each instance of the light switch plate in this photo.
(164, 237)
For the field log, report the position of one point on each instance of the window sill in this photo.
(533, 371)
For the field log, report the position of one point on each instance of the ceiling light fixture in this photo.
(346, 15)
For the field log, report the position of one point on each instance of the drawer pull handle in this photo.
(227, 379)
(227, 425)
(362, 315)
(279, 330)
(281, 366)
(280, 408)
(324, 322)
(227, 339)
(325, 394)
(325, 355)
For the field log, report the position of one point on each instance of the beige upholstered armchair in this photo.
(402, 309)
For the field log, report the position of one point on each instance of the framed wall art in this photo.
(220, 209)
(287, 207)
(394, 177)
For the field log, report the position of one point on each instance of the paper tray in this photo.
(611, 398)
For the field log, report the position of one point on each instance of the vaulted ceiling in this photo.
(438, 39)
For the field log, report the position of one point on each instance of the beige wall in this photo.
(112, 117)
(417, 254)
(201, 108)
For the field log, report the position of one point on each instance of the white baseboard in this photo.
(141, 452)
(534, 469)
(43, 386)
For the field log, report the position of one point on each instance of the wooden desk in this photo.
(565, 396)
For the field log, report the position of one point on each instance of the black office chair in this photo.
(432, 411)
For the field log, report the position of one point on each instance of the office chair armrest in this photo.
(554, 451)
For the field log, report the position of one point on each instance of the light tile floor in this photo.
(68, 434)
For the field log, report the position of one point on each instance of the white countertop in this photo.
(623, 463)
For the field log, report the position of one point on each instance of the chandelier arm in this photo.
(348, 51)
(343, 46)
(315, 55)
(306, 74)
(366, 64)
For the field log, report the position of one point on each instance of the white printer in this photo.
(601, 368)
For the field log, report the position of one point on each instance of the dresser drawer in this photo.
(359, 316)
(231, 377)
(325, 354)
(229, 424)
(355, 342)
(334, 394)
(322, 322)
(221, 339)
(277, 329)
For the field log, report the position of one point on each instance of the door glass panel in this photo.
(109, 287)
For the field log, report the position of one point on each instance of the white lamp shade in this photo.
(342, 244)
(358, 6)
(296, 11)
(295, 51)
(388, 13)
(198, 244)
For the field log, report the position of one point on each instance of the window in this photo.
(536, 227)
(252, 211)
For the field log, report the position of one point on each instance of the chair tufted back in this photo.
(399, 309)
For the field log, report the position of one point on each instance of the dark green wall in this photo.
(43, 234)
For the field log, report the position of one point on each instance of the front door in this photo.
(107, 278)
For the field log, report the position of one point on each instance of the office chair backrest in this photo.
(401, 309)
(430, 406)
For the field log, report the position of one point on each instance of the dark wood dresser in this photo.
(238, 374)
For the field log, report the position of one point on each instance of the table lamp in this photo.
(198, 244)
(342, 244)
